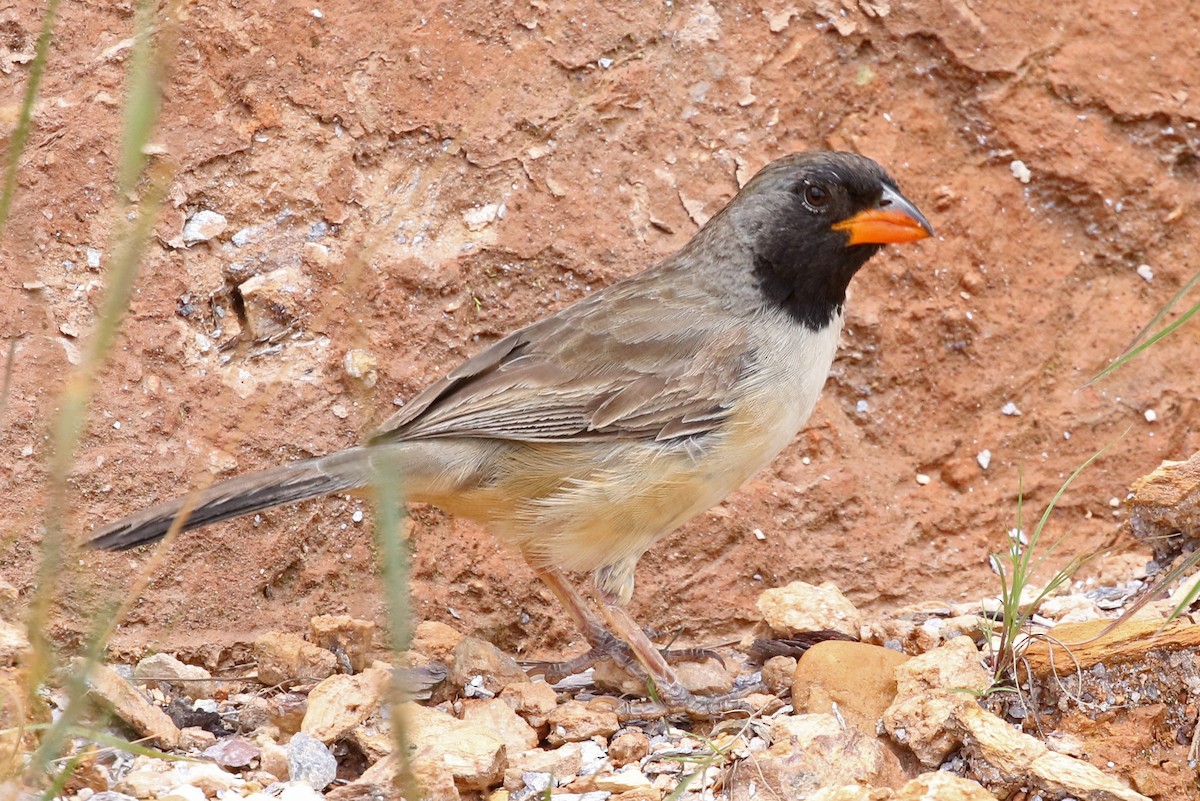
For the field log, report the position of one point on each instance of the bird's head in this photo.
(812, 220)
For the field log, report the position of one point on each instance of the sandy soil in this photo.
(331, 137)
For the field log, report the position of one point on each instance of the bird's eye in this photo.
(815, 196)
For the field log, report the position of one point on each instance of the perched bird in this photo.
(583, 438)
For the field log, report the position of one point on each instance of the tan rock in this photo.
(621, 781)
(169, 674)
(496, 715)
(149, 777)
(473, 755)
(575, 721)
(562, 763)
(936, 713)
(288, 659)
(131, 706)
(1020, 758)
(954, 666)
(380, 782)
(942, 786)
(374, 737)
(800, 607)
(852, 792)
(274, 301)
(704, 677)
(341, 702)
(859, 678)
(532, 700)
(810, 752)
(274, 758)
(638, 794)
(1072, 646)
(628, 746)
(778, 672)
(14, 645)
(479, 664)
(342, 634)
(436, 640)
(1165, 503)
(193, 738)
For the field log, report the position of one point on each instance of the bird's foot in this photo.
(676, 700)
(606, 646)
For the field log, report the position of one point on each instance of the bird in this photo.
(584, 437)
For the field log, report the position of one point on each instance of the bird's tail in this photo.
(252, 492)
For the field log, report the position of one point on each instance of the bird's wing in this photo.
(623, 363)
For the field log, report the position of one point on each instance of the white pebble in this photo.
(316, 12)
(357, 516)
(759, 535)
(923, 479)
(93, 258)
(605, 62)
(1114, 502)
(1151, 415)
(1020, 171)
(984, 458)
(1066, 435)
(1146, 272)
(1010, 409)
(862, 407)
(117, 425)
(203, 226)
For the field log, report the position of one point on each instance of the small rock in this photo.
(14, 645)
(563, 763)
(272, 757)
(166, 672)
(942, 786)
(194, 738)
(809, 752)
(293, 791)
(800, 607)
(622, 781)
(309, 761)
(341, 702)
(233, 752)
(532, 700)
(203, 226)
(150, 777)
(273, 301)
(704, 677)
(575, 722)
(1020, 171)
(627, 747)
(497, 716)
(374, 737)
(342, 634)
(145, 718)
(778, 672)
(288, 658)
(480, 217)
(436, 640)
(858, 678)
(473, 755)
(483, 666)
(362, 365)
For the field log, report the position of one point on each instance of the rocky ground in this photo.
(366, 194)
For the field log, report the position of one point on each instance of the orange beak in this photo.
(893, 221)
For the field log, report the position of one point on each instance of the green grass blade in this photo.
(20, 136)
(393, 553)
(1134, 352)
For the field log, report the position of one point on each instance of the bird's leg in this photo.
(673, 698)
(603, 643)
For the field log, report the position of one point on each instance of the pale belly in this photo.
(598, 506)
